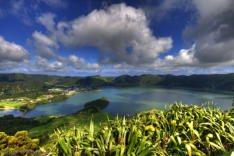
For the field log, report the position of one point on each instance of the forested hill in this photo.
(25, 85)
(19, 84)
(218, 82)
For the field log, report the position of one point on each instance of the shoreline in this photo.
(24, 111)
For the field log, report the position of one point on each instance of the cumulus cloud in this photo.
(78, 63)
(47, 20)
(125, 40)
(45, 65)
(8, 65)
(12, 52)
(213, 32)
(93, 66)
(121, 33)
(211, 8)
(12, 55)
(184, 59)
(49, 61)
(44, 46)
(161, 11)
(121, 66)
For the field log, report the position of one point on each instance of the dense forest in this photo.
(18, 85)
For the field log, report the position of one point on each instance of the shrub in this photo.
(20, 142)
(182, 130)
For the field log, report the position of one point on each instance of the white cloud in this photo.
(184, 59)
(211, 8)
(44, 46)
(162, 10)
(43, 64)
(12, 55)
(12, 52)
(121, 33)
(125, 41)
(7, 65)
(92, 66)
(121, 66)
(43, 39)
(47, 20)
(78, 63)
(213, 32)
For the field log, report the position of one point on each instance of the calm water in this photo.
(8, 112)
(131, 100)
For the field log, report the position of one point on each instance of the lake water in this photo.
(131, 100)
(8, 112)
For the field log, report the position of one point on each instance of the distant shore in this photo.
(25, 104)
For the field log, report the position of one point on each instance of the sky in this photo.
(116, 37)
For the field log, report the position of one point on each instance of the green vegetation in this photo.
(33, 86)
(10, 104)
(42, 127)
(22, 91)
(94, 81)
(218, 82)
(43, 100)
(96, 105)
(25, 103)
(20, 142)
(49, 123)
(182, 130)
(11, 124)
(30, 89)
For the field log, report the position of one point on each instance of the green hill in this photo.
(16, 85)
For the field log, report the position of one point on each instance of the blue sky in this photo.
(114, 37)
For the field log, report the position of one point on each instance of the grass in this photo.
(29, 103)
(42, 127)
(11, 104)
(79, 119)
(50, 123)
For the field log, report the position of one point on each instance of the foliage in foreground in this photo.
(182, 130)
(10, 124)
(20, 142)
